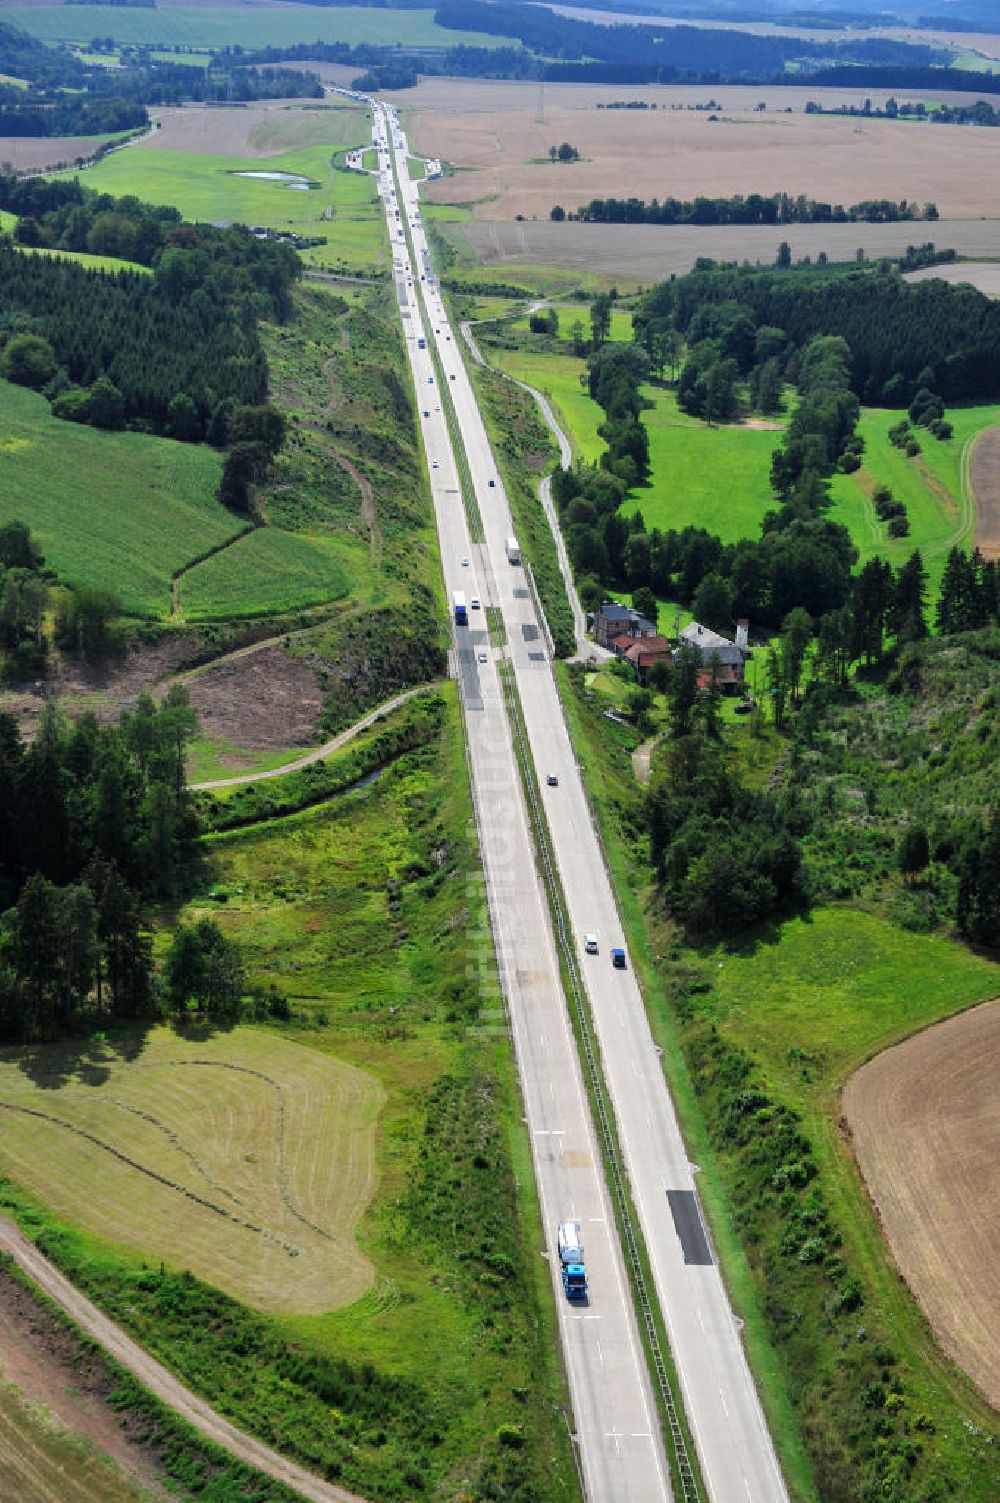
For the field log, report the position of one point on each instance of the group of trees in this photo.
(69, 117)
(29, 593)
(170, 354)
(93, 820)
(751, 208)
(902, 336)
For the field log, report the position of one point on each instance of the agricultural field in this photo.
(119, 511)
(493, 130)
(599, 255)
(34, 152)
(249, 26)
(926, 1132)
(247, 1159)
(263, 573)
(341, 207)
(983, 275)
(40, 1462)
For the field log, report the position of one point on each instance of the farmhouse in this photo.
(612, 620)
(731, 656)
(643, 652)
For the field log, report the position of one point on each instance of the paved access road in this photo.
(723, 1408)
(620, 1448)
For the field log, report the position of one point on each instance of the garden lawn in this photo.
(716, 478)
(252, 26)
(264, 572)
(938, 504)
(115, 511)
(208, 188)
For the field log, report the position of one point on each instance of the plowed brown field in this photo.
(925, 1119)
(984, 477)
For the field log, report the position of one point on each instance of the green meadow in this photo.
(343, 208)
(932, 486)
(248, 26)
(118, 511)
(264, 572)
(558, 378)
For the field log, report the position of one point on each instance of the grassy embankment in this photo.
(443, 1376)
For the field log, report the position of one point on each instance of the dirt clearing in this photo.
(984, 478)
(925, 1120)
(649, 252)
(261, 700)
(56, 1415)
(494, 129)
(246, 1158)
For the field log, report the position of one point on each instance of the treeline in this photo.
(174, 353)
(692, 50)
(71, 117)
(902, 336)
(93, 820)
(752, 208)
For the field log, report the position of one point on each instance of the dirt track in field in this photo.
(494, 129)
(156, 1377)
(984, 478)
(925, 1121)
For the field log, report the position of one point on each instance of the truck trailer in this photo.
(513, 551)
(574, 1275)
(461, 609)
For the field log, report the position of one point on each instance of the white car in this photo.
(465, 563)
(474, 602)
(590, 943)
(434, 464)
(552, 779)
(483, 657)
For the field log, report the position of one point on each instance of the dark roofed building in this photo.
(613, 620)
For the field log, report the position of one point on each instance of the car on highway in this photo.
(552, 779)
(426, 413)
(474, 602)
(465, 563)
(434, 464)
(491, 483)
(590, 944)
(482, 657)
(430, 380)
(452, 376)
(618, 959)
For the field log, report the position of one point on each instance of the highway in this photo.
(734, 1447)
(616, 1422)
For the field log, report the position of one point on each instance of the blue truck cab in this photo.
(618, 959)
(574, 1274)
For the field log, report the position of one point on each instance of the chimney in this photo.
(742, 633)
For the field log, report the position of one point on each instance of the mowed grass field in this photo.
(120, 511)
(717, 478)
(42, 1463)
(264, 572)
(934, 488)
(205, 187)
(558, 378)
(248, 26)
(245, 1158)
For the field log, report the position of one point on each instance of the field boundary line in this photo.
(158, 1379)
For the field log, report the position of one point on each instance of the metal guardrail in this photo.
(619, 1184)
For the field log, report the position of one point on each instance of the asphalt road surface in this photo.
(734, 1447)
(619, 1443)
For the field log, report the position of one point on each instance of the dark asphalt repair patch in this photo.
(688, 1226)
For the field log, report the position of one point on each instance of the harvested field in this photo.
(242, 1157)
(23, 152)
(925, 1122)
(258, 700)
(261, 130)
(492, 128)
(985, 276)
(984, 478)
(650, 252)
